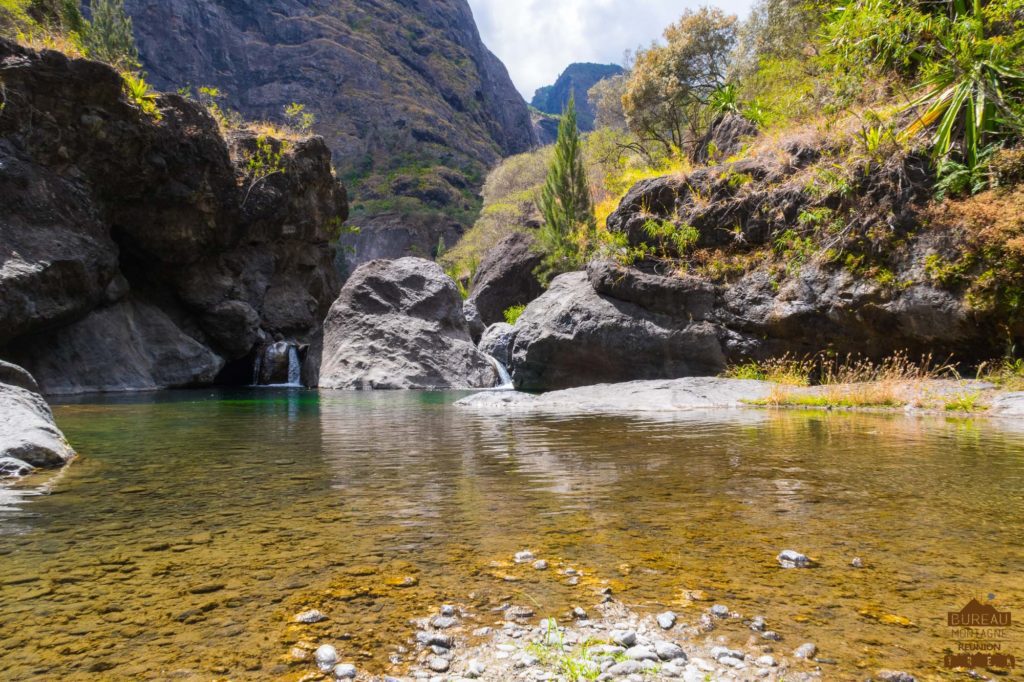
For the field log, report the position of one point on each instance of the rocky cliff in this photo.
(576, 80)
(413, 105)
(140, 251)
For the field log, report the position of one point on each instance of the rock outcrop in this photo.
(506, 277)
(841, 267)
(139, 252)
(576, 80)
(699, 393)
(574, 336)
(411, 102)
(400, 325)
(29, 438)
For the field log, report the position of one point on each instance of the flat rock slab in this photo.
(671, 395)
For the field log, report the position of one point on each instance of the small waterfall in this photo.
(294, 367)
(503, 375)
(257, 368)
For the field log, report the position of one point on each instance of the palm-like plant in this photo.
(969, 82)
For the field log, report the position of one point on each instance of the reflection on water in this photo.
(197, 524)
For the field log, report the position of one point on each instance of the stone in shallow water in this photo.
(641, 653)
(806, 650)
(442, 622)
(666, 620)
(448, 611)
(720, 611)
(669, 651)
(857, 562)
(792, 559)
(438, 664)
(326, 657)
(894, 676)
(540, 565)
(435, 639)
(626, 638)
(523, 557)
(310, 617)
(344, 671)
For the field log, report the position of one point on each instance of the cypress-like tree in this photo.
(565, 201)
(109, 37)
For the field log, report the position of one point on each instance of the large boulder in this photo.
(400, 325)
(726, 137)
(28, 434)
(574, 336)
(506, 277)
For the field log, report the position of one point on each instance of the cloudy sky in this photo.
(538, 38)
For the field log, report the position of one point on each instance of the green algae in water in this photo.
(198, 524)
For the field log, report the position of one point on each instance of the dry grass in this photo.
(44, 40)
(847, 382)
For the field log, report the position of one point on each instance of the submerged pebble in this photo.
(806, 650)
(326, 657)
(792, 559)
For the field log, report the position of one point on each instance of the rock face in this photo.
(400, 325)
(575, 336)
(506, 277)
(28, 435)
(409, 99)
(497, 342)
(138, 253)
(725, 137)
(576, 80)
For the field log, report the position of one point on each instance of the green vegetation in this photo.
(109, 37)
(513, 314)
(141, 93)
(300, 119)
(566, 203)
(574, 664)
(265, 161)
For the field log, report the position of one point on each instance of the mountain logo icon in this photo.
(978, 615)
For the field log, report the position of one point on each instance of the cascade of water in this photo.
(294, 367)
(503, 375)
(257, 367)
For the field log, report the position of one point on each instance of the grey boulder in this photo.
(497, 342)
(575, 336)
(28, 433)
(400, 325)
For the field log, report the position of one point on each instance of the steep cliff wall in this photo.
(413, 105)
(139, 252)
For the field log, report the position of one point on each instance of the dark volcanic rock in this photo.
(129, 346)
(506, 277)
(28, 434)
(577, 79)
(400, 325)
(573, 336)
(137, 253)
(726, 137)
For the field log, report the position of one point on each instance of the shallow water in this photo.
(197, 524)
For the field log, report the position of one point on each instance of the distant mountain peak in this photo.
(577, 79)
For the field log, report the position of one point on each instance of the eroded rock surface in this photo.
(506, 277)
(400, 325)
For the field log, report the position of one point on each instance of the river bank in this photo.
(923, 397)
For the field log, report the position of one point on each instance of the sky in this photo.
(537, 39)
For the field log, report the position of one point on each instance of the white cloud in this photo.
(538, 38)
